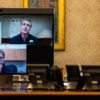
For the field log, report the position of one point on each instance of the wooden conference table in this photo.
(20, 89)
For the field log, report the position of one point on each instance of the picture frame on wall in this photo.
(59, 28)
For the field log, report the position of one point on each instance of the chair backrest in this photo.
(73, 72)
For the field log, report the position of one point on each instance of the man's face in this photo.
(25, 27)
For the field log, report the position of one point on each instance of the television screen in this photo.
(27, 26)
(13, 59)
(32, 27)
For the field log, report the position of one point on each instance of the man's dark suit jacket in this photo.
(18, 40)
(9, 69)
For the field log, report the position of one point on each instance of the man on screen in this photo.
(6, 69)
(24, 37)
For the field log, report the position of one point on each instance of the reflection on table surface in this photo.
(14, 87)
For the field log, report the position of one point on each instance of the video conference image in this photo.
(14, 29)
(13, 59)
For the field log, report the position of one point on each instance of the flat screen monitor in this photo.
(91, 73)
(33, 27)
(38, 23)
(13, 59)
